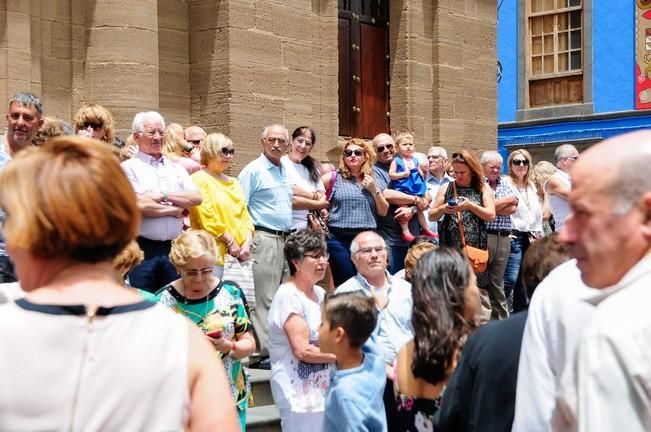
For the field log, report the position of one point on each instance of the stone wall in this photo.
(234, 66)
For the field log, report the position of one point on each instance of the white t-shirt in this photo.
(299, 175)
(528, 215)
(298, 388)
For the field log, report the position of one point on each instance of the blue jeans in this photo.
(513, 288)
(341, 265)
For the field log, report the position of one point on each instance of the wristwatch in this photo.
(377, 193)
(414, 210)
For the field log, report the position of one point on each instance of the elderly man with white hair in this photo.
(437, 158)
(393, 297)
(164, 192)
(493, 299)
(559, 185)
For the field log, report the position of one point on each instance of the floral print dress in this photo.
(228, 301)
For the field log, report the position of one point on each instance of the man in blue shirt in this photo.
(437, 159)
(268, 193)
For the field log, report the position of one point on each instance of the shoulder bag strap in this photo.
(459, 217)
(333, 178)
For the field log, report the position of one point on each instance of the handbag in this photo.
(478, 258)
(242, 275)
(316, 222)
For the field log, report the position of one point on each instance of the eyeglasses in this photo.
(276, 140)
(93, 125)
(574, 158)
(316, 255)
(194, 273)
(380, 149)
(153, 133)
(302, 140)
(458, 156)
(434, 157)
(369, 250)
(356, 152)
(226, 151)
(518, 162)
(195, 142)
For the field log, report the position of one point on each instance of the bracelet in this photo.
(233, 347)
(415, 200)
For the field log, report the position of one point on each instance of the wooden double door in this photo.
(364, 109)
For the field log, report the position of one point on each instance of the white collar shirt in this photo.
(147, 174)
(557, 316)
(609, 386)
(393, 328)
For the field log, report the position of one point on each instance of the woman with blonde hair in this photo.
(95, 121)
(542, 171)
(218, 307)
(178, 150)
(107, 350)
(223, 212)
(526, 222)
(355, 200)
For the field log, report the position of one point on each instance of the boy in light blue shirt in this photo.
(354, 399)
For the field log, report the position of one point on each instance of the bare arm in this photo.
(300, 203)
(485, 212)
(555, 187)
(394, 174)
(400, 198)
(506, 206)
(149, 207)
(211, 406)
(298, 334)
(185, 199)
(440, 205)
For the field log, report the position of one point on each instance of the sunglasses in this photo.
(380, 149)
(458, 156)
(356, 152)
(195, 142)
(226, 151)
(518, 162)
(93, 125)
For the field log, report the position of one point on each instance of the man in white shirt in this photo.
(559, 185)
(164, 192)
(608, 387)
(393, 297)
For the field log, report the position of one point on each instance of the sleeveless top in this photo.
(559, 207)
(126, 368)
(474, 227)
(412, 185)
(414, 414)
(351, 206)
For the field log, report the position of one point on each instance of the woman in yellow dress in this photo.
(223, 212)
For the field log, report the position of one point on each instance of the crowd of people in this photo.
(392, 291)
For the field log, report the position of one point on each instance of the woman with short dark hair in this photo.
(300, 372)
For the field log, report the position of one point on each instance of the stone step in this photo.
(261, 387)
(263, 419)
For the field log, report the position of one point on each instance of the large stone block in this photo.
(108, 44)
(255, 47)
(241, 14)
(115, 13)
(173, 46)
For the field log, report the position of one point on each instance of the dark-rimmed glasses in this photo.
(380, 149)
(356, 152)
(518, 162)
(228, 152)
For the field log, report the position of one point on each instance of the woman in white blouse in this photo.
(526, 222)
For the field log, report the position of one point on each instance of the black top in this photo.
(480, 395)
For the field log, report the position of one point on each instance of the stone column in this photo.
(121, 58)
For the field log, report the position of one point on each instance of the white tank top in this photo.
(124, 369)
(559, 206)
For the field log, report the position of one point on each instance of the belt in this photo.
(500, 232)
(274, 232)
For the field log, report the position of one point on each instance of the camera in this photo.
(452, 202)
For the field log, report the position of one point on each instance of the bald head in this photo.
(619, 165)
(362, 238)
(195, 135)
(384, 146)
